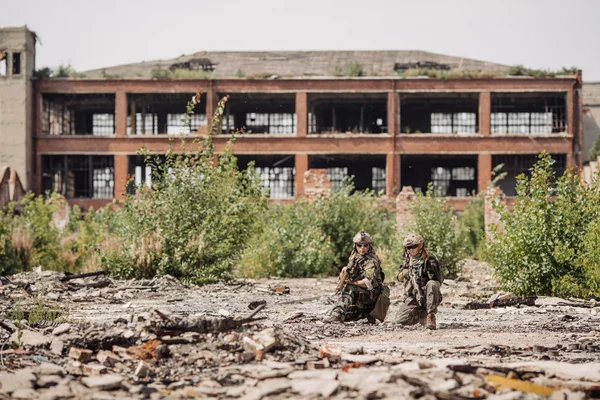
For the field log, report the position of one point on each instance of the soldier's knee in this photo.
(433, 285)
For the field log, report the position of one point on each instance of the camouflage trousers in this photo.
(412, 313)
(355, 303)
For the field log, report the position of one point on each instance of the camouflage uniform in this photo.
(356, 302)
(422, 277)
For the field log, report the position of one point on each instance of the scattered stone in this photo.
(62, 328)
(82, 355)
(105, 382)
(142, 370)
(94, 369)
(57, 346)
(23, 379)
(29, 338)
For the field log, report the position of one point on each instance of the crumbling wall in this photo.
(16, 149)
(316, 184)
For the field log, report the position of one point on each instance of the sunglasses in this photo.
(362, 245)
(414, 246)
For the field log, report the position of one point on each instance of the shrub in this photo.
(434, 219)
(472, 227)
(195, 220)
(595, 150)
(542, 249)
(306, 239)
(290, 245)
(347, 212)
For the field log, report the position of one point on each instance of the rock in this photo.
(29, 338)
(224, 312)
(57, 347)
(107, 358)
(361, 358)
(24, 394)
(55, 393)
(105, 382)
(62, 328)
(142, 369)
(94, 369)
(82, 355)
(49, 369)
(23, 379)
(330, 352)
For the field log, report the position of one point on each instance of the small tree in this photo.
(595, 149)
(542, 249)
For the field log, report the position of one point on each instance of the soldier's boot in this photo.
(430, 322)
(371, 320)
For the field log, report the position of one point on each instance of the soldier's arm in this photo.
(431, 268)
(369, 281)
(402, 273)
(342, 278)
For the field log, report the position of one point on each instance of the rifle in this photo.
(415, 279)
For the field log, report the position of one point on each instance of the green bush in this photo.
(434, 219)
(544, 248)
(347, 212)
(195, 220)
(306, 239)
(472, 227)
(595, 150)
(290, 245)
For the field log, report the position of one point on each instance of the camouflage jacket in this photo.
(366, 268)
(430, 269)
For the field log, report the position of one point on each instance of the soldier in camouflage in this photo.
(422, 276)
(361, 282)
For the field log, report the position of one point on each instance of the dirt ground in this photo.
(111, 346)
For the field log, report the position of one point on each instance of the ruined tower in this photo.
(17, 63)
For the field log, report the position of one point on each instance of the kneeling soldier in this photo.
(422, 276)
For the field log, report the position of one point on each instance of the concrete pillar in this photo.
(404, 215)
(302, 113)
(393, 113)
(316, 184)
(121, 167)
(211, 102)
(484, 171)
(392, 174)
(121, 113)
(485, 113)
(494, 197)
(301, 161)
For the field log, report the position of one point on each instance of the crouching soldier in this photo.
(422, 276)
(360, 281)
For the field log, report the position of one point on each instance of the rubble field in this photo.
(92, 337)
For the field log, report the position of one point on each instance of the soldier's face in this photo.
(414, 249)
(362, 248)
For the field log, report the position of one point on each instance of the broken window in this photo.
(78, 114)
(261, 113)
(79, 176)
(528, 113)
(16, 63)
(181, 124)
(450, 113)
(450, 175)
(348, 113)
(514, 165)
(3, 61)
(367, 171)
(276, 173)
(163, 113)
(140, 171)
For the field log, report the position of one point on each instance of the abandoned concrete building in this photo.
(389, 118)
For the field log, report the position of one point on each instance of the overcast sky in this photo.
(546, 34)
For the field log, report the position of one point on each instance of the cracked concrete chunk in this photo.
(20, 380)
(29, 338)
(105, 382)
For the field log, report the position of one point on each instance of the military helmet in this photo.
(413, 239)
(362, 237)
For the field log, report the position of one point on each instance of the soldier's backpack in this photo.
(382, 304)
